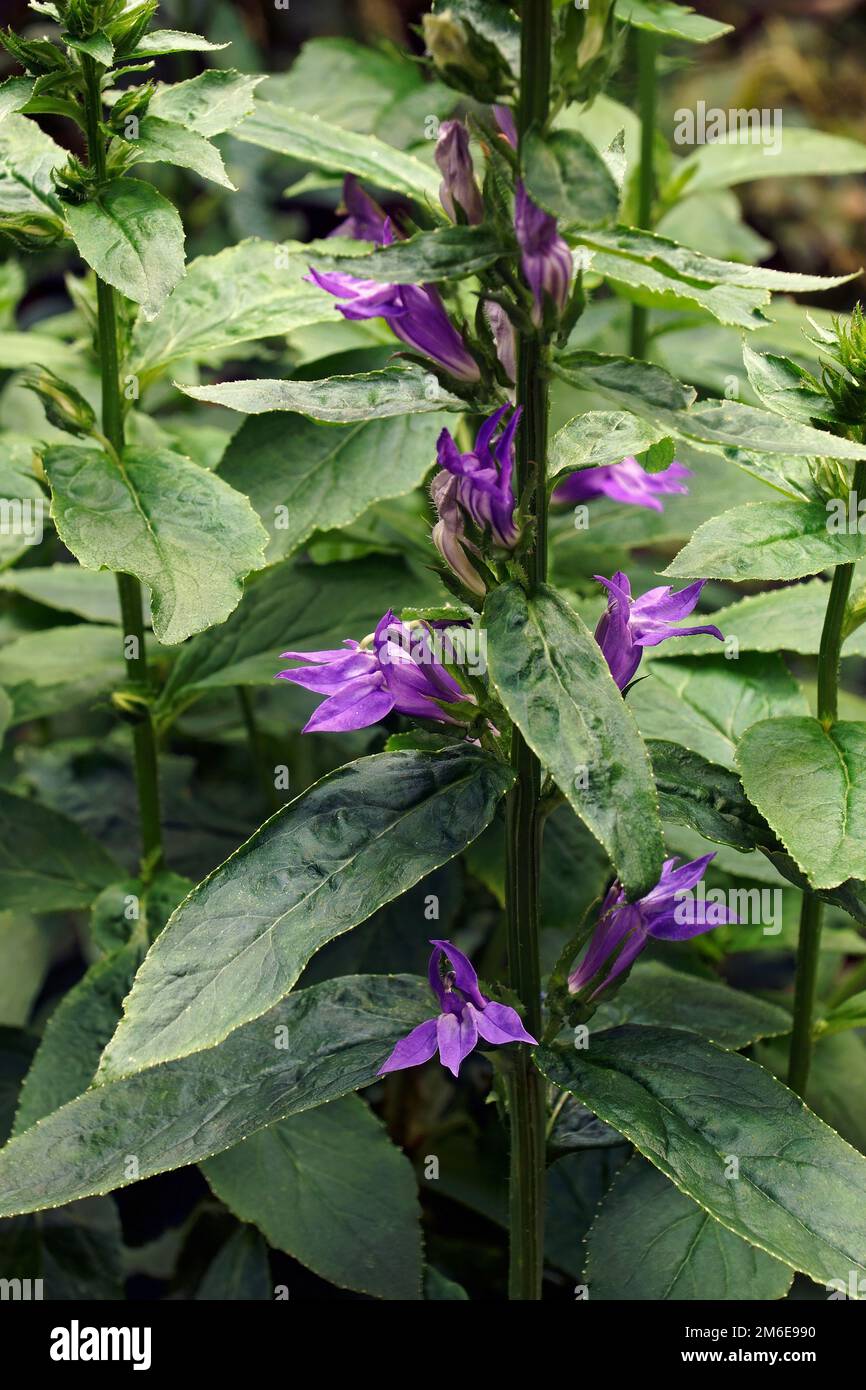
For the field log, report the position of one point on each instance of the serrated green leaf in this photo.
(445, 254)
(253, 290)
(160, 141)
(27, 157)
(180, 529)
(706, 797)
(786, 387)
(555, 684)
(727, 162)
(598, 438)
(330, 1189)
(318, 1044)
(689, 1107)
(302, 477)
(824, 825)
(670, 21)
(160, 41)
(338, 399)
(97, 46)
(767, 540)
(314, 141)
(566, 176)
(650, 1241)
(213, 102)
(323, 864)
(656, 996)
(708, 704)
(133, 238)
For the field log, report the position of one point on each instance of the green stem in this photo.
(809, 948)
(257, 750)
(128, 587)
(646, 62)
(808, 955)
(523, 812)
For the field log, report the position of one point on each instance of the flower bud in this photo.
(64, 405)
(458, 189)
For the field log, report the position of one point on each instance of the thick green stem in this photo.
(128, 587)
(808, 955)
(809, 948)
(646, 61)
(524, 821)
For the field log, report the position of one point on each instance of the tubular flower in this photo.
(628, 625)
(668, 912)
(365, 220)
(458, 187)
(624, 482)
(484, 490)
(415, 313)
(504, 337)
(465, 1016)
(545, 258)
(397, 668)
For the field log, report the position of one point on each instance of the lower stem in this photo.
(646, 61)
(808, 956)
(257, 752)
(811, 913)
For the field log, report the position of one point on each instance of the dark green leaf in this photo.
(46, 862)
(445, 254)
(706, 797)
(555, 684)
(330, 1189)
(240, 1271)
(567, 176)
(657, 996)
(133, 238)
(691, 1108)
(650, 1241)
(318, 1044)
(323, 864)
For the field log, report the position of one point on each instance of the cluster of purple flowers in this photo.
(401, 668)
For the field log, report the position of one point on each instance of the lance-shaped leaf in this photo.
(27, 156)
(708, 704)
(253, 290)
(180, 529)
(598, 438)
(786, 387)
(767, 540)
(309, 607)
(555, 684)
(657, 996)
(160, 41)
(338, 399)
(313, 141)
(166, 142)
(651, 392)
(567, 176)
(318, 1044)
(650, 1241)
(810, 783)
(729, 161)
(47, 863)
(133, 238)
(213, 102)
(445, 254)
(787, 620)
(708, 798)
(670, 21)
(330, 1189)
(323, 864)
(56, 668)
(302, 477)
(690, 1107)
(69, 588)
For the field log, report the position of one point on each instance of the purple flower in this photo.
(504, 337)
(483, 478)
(545, 257)
(400, 670)
(466, 1015)
(449, 533)
(458, 185)
(365, 220)
(628, 625)
(669, 912)
(624, 482)
(505, 120)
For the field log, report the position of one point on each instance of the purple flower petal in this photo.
(465, 977)
(624, 482)
(357, 706)
(497, 1023)
(457, 1035)
(417, 1047)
